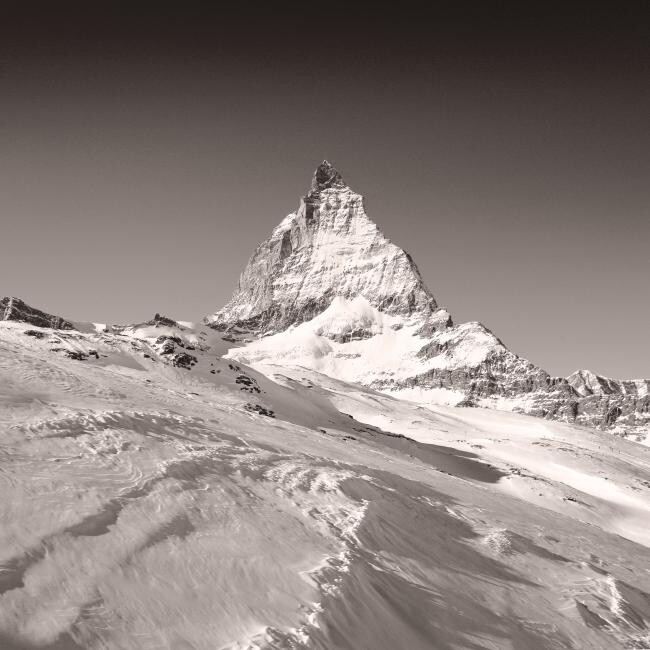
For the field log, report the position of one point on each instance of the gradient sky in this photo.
(143, 155)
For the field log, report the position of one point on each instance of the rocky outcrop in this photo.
(184, 360)
(610, 403)
(162, 321)
(17, 310)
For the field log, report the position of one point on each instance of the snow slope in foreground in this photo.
(210, 507)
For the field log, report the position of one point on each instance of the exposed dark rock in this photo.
(37, 334)
(77, 356)
(167, 347)
(431, 350)
(167, 344)
(357, 334)
(257, 408)
(159, 320)
(247, 384)
(621, 404)
(326, 176)
(174, 339)
(184, 360)
(17, 310)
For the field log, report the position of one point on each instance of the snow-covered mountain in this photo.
(328, 291)
(328, 248)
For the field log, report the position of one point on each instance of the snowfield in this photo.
(158, 495)
(354, 341)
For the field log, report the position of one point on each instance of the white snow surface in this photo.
(389, 349)
(146, 501)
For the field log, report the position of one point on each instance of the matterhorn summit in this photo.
(329, 292)
(327, 248)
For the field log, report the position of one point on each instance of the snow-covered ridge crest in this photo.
(354, 341)
(329, 247)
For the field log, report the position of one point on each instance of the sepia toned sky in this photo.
(144, 154)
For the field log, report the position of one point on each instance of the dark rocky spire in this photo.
(326, 176)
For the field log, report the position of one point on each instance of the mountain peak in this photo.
(328, 247)
(327, 291)
(326, 176)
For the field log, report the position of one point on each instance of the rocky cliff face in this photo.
(328, 291)
(15, 309)
(328, 247)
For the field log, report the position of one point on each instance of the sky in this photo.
(146, 151)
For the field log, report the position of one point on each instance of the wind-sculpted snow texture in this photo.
(329, 261)
(147, 504)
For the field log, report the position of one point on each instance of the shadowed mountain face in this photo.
(15, 309)
(329, 291)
